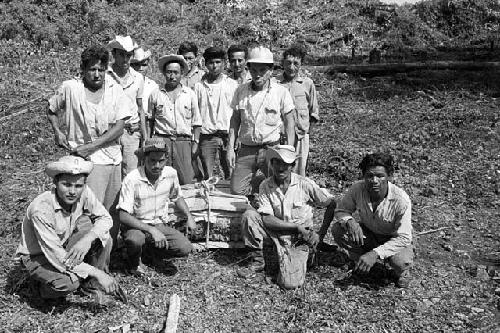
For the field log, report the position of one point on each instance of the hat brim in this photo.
(288, 158)
(56, 168)
(260, 61)
(114, 44)
(172, 58)
(145, 56)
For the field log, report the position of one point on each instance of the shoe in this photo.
(257, 263)
(325, 247)
(403, 281)
(138, 271)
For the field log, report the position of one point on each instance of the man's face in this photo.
(291, 65)
(69, 188)
(215, 66)
(260, 73)
(281, 170)
(93, 75)
(154, 162)
(376, 181)
(122, 58)
(189, 57)
(141, 66)
(237, 61)
(172, 73)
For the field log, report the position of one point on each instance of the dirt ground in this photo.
(441, 128)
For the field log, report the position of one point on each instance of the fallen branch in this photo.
(25, 108)
(173, 314)
(431, 231)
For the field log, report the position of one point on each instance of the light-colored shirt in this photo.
(193, 77)
(133, 86)
(246, 77)
(85, 121)
(214, 101)
(47, 226)
(146, 201)
(261, 113)
(149, 87)
(295, 205)
(174, 118)
(305, 98)
(391, 218)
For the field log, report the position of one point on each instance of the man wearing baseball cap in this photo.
(65, 241)
(143, 207)
(285, 215)
(122, 48)
(260, 107)
(215, 93)
(140, 63)
(175, 117)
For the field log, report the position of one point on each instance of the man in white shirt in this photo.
(140, 63)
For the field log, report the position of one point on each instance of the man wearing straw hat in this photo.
(122, 48)
(260, 107)
(65, 241)
(94, 111)
(140, 63)
(176, 117)
(285, 215)
(143, 207)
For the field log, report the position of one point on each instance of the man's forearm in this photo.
(290, 128)
(142, 118)
(132, 222)
(196, 133)
(54, 121)
(233, 131)
(111, 135)
(273, 223)
(181, 204)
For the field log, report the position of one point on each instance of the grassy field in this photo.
(442, 128)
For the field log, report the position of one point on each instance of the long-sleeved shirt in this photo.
(305, 98)
(47, 226)
(391, 218)
(295, 205)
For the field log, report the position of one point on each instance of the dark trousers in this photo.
(180, 157)
(211, 146)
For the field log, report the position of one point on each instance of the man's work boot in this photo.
(403, 280)
(257, 263)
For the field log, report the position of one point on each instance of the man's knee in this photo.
(58, 287)
(250, 219)
(339, 235)
(402, 261)
(134, 238)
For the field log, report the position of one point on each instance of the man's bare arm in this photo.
(59, 136)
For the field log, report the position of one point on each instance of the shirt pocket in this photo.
(187, 112)
(297, 209)
(271, 117)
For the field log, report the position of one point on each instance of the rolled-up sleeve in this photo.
(175, 190)
(346, 206)
(402, 237)
(319, 196)
(196, 121)
(287, 102)
(265, 206)
(126, 200)
(58, 101)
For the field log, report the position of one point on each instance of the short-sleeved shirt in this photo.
(305, 98)
(261, 113)
(295, 205)
(174, 118)
(149, 87)
(193, 77)
(149, 202)
(133, 86)
(391, 218)
(214, 101)
(47, 226)
(86, 121)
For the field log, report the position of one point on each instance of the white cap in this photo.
(261, 55)
(124, 43)
(140, 55)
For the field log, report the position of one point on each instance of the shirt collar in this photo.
(55, 202)
(183, 88)
(144, 178)
(391, 193)
(298, 79)
(294, 180)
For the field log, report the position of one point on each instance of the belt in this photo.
(219, 134)
(262, 145)
(175, 137)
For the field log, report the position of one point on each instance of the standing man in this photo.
(132, 82)
(285, 215)
(176, 117)
(260, 107)
(305, 99)
(215, 93)
(94, 112)
(384, 229)
(144, 199)
(65, 234)
(237, 55)
(193, 74)
(140, 63)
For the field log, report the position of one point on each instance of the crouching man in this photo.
(143, 207)
(65, 241)
(384, 230)
(285, 215)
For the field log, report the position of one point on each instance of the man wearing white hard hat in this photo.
(65, 241)
(285, 215)
(94, 110)
(140, 63)
(260, 107)
(122, 48)
(175, 116)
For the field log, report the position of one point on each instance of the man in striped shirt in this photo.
(143, 207)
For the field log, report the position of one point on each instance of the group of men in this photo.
(133, 143)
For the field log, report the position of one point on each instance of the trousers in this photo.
(180, 158)
(211, 147)
(130, 143)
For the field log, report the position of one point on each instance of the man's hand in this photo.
(194, 149)
(107, 282)
(83, 150)
(366, 262)
(78, 252)
(159, 239)
(61, 140)
(231, 157)
(190, 225)
(355, 232)
(309, 236)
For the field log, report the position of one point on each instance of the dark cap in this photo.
(214, 52)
